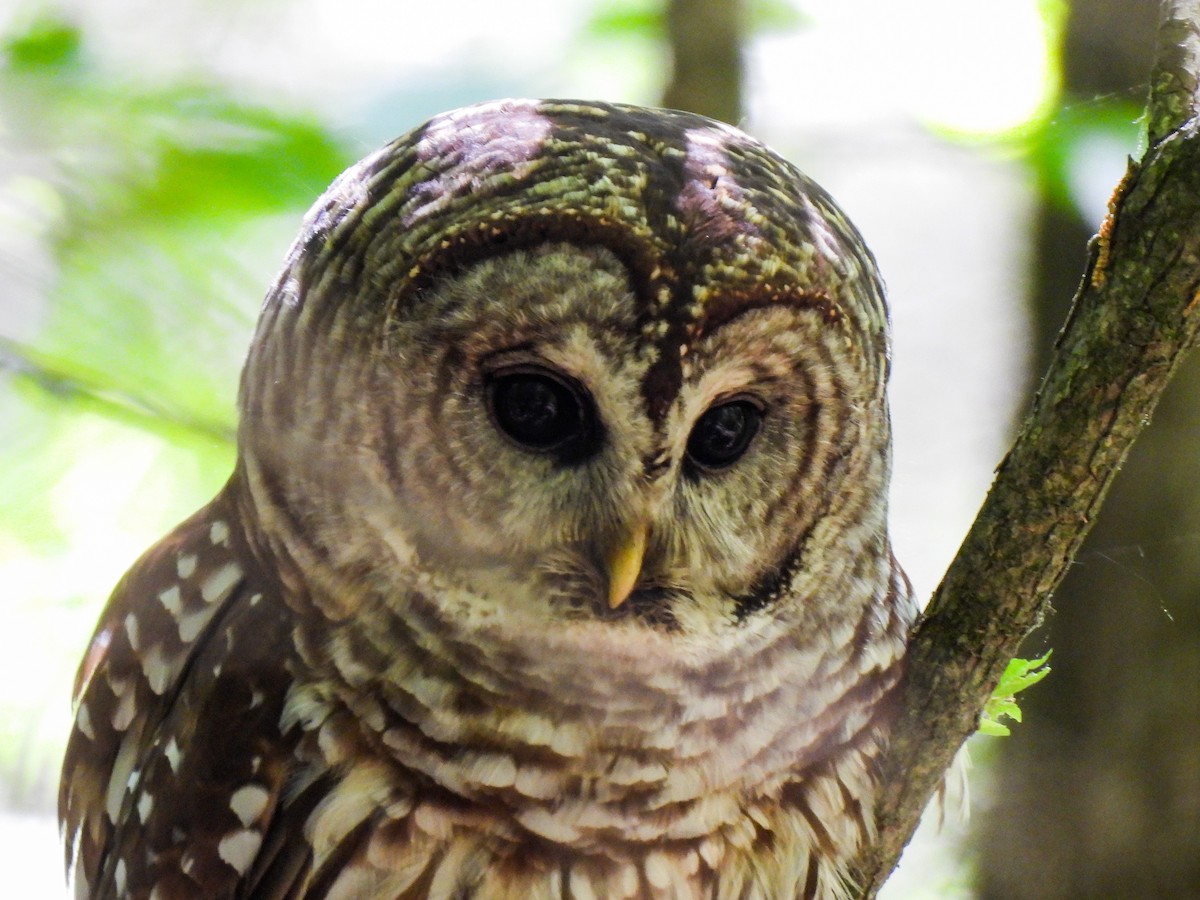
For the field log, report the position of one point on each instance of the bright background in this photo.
(155, 160)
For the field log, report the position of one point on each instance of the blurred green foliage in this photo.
(139, 226)
(48, 43)
(152, 190)
(1061, 145)
(134, 222)
(624, 19)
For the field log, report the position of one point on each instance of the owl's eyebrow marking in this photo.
(724, 307)
(458, 252)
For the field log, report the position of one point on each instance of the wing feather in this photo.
(175, 766)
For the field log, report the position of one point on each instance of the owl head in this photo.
(571, 362)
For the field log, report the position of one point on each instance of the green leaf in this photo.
(1018, 675)
(47, 43)
(628, 18)
(993, 728)
(647, 18)
(775, 16)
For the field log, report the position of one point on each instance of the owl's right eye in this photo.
(543, 411)
(722, 434)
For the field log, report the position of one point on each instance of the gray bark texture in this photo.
(1135, 314)
(1098, 794)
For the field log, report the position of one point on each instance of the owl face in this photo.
(653, 401)
(524, 460)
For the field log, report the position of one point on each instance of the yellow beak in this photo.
(625, 564)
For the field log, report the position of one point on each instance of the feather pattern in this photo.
(385, 662)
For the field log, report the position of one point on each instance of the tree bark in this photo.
(1099, 793)
(706, 52)
(1134, 316)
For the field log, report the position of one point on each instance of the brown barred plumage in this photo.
(555, 562)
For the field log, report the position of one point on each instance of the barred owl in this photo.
(554, 563)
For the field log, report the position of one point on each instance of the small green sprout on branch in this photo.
(1018, 675)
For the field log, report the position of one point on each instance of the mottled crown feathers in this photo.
(709, 222)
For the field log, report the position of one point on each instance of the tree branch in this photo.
(706, 38)
(1175, 82)
(1136, 313)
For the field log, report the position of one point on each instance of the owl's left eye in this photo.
(543, 411)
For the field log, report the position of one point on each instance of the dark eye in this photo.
(542, 411)
(723, 433)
